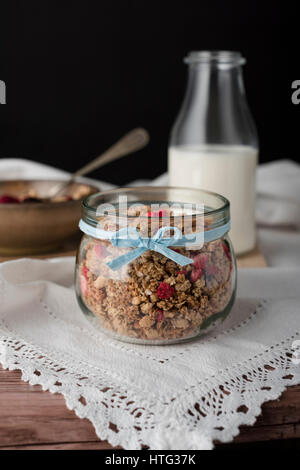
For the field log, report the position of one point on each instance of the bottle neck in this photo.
(215, 74)
(215, 77)
(214, 109)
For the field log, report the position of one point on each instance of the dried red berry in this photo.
(165, 291)
(6, 199)
(160, 316)
(201, 260)
(100, 251)
(160, 213)
(196, 274)
(83, 285)
(85, 270)
(227, 250)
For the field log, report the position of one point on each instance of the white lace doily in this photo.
(166, 397)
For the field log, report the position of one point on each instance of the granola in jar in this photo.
(153, 299)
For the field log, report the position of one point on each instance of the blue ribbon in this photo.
(130, 237)
(156, 243)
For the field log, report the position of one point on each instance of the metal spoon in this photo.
(130, 142)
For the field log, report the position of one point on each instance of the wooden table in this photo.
(33, 419)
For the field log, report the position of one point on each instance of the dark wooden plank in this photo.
(100, 445)
(259, 433)
(31, 418)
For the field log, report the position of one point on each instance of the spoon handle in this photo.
(132, 141)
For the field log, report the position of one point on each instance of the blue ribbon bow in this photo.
(130, 237)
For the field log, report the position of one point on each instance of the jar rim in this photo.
(221, 213)
(215, 56)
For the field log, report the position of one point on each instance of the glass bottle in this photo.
(214, 143)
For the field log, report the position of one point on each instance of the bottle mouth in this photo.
(217, 57)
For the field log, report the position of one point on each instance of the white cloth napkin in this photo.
(278, 187)
(176, 397)
(19, 168)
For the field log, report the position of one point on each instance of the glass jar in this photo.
(214, 143)
(155, 264)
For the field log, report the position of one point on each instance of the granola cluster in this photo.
(153, 298)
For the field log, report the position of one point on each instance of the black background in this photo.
(81, 74)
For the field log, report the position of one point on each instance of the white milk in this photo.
(227, 170)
